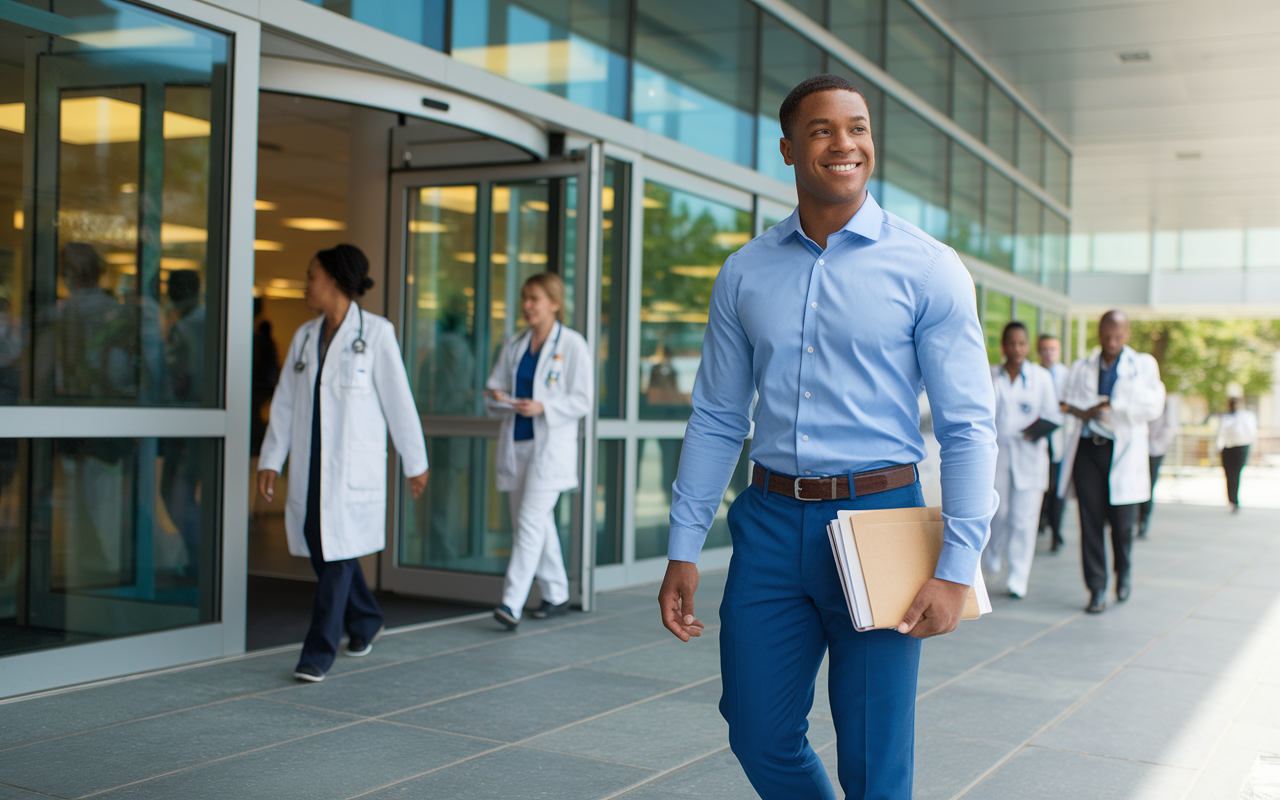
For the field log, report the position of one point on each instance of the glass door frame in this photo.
(587, 166)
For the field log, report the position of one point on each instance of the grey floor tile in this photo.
(1147, 715)
(946, 764)
(518, 772)
(72, 766)
(574, 645)
(1202, 646)
(401, 686)
(1077, 650)
(718, 776)
(1238, 604)
(660, 734)
(1056, 775)
(518, 711)
(668, 658)
(14, 793)
(330, 766)
(997, 706)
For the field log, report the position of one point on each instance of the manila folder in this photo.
(899, 549)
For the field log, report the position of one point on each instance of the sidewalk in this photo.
(1171, 695)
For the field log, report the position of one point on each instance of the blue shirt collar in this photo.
(865, 222)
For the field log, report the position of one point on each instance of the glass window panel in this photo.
(968, 85)
(1165, 246)
(441, 342)
(1121, 251)
(966, 202)
(1057, 171)
(786, 59)
(609, 477)
(695, 74)
(1221, 248)
(1079, 252)
(110, 250)
(572, 48)
(1262, 248)
(917, 54)
(521, 246)
(1001, 114)
(813, 9)
(1054, 256)
(1029, 315)
(913, 170)
(686, 240)
(1026, 255)
(421, 21)
(997, 220)
(1051, 325)
(999, 312)
(859, 24)
(656, 466)
(106, 537)
(1029, 147)
(613, 283)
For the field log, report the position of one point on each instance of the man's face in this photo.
(1113, 336)
(1015, 347)
(1050, 352)
(830, 146)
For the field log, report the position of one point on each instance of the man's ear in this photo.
(784, 147)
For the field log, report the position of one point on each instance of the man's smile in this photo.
(850, 167)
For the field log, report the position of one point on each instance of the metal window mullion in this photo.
(90, 422)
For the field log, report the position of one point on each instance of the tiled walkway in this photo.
(1170, 695)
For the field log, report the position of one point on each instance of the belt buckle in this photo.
(795, 492)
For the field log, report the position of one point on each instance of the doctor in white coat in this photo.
(342, 387)
(1024, 394)
(541, 386)
(1111, 396)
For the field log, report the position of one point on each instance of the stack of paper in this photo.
(885, 556)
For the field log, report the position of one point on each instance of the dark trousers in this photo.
(1144, 509)
(783, 608)
(343, 602)
(1233, 459)
(1091, 474)
(1051, 508)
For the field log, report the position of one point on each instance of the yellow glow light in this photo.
(182, 234)
(19, 219)
(666, 307)
(499, 258)
(532, 258)
(106, 120)
(427, 226)
(264, 205)
(181, 126)
(465, 258)
(535, 205)
(731, 239)
(649, 202)
(709, 271)
(267, 245)
(283, 294)
(501, 200)
(120, 258)
(285, 283)
(606, 224)
(13, 117)
(606, 198)
(179, 263)
(450, 198)
(313, 224)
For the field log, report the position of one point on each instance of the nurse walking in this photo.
(1024, 394)
(343, 386)
(540, 386)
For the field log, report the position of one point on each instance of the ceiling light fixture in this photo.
(263, 205)
(1134, 56)
(313, 224)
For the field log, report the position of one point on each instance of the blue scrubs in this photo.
(524, 390)
(343, 600)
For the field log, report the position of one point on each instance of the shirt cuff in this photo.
(685, 544)
(957, 564)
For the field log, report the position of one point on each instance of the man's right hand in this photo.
(675, 600)
(267, 484)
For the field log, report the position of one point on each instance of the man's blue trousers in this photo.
(783, 608)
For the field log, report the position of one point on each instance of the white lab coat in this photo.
(1162, 430)
(363, 395)
(1237, 429)
(1018, 404)
(564, 385)
(1138, 398)
(1058, 439)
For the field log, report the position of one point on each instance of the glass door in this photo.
(466, 241)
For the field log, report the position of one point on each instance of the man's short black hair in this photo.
(818, 83)
(1045, 337)
(1010, 328)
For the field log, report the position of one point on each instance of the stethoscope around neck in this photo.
(358, 346)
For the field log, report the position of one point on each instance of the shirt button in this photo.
(810, 349)
(808, 472)
(806, 394)
(821, 262)
(806, 438)
(815, 305)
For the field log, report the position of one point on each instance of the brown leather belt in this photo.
(835, 487)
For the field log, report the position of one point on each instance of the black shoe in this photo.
(1122, 588)
(1097, 602)
(547, 610)
(357, 647)
(503, 615)
(308, 672)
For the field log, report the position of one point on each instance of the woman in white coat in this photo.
(541, 386)
(1024, 394)
(343, 386)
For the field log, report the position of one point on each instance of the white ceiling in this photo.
(1212, 87)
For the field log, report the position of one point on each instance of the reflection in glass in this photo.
(1001, 114)
(1054, 245)
(968, 88)
(997, 220)
(420, 21)
(686, 240)
(787, 58)
(613, 282)
(656, 467)
(966, 202)
(576, 50)
(694, 74)
(858, 23)
(917, 54)
(609, 472)
(999, 312)
(1026, 255)
(1051, 324)
(440, 330)
(521, 247)
(1029, 315)
(1029, 147)
(1057, 170)
(105, 537)
(913, 170)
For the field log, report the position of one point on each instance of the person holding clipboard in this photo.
(541, 386)
(1026, 412)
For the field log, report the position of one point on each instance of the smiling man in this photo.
(835, 318)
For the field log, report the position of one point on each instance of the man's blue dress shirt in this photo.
(837, 344)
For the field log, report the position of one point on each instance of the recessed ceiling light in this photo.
(264, 205)
(268, 245)
(1134, 56)
(1187, 155)
(313, 224)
